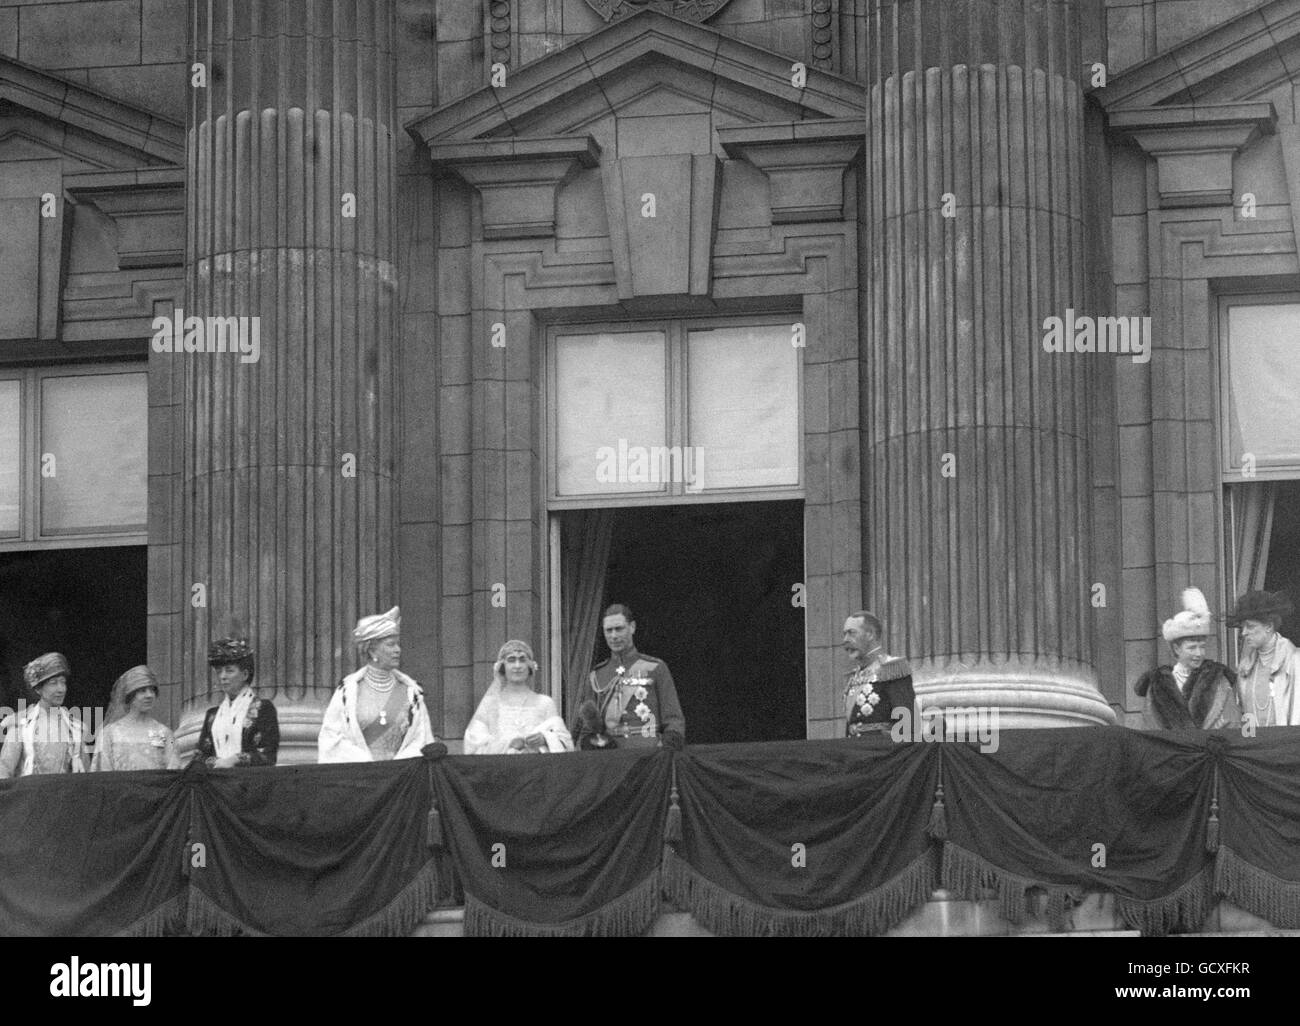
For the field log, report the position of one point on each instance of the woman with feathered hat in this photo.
(244, 730)
(1269, 667)
(378, 712)
(131, 738)
(1195, 693)
(513, 718)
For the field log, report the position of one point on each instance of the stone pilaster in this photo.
(975, 439)
(288, 513)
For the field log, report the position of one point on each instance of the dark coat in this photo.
(894, 684)
(1210, 703)
(260, 742)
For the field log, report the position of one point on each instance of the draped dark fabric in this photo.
(1086, 809)
(564, 845)
(95, 854)
(798, 838)
(315, 850)
(1258, 864)
(804, 837)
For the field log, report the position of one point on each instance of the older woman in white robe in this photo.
(512, 718)
(378, 712)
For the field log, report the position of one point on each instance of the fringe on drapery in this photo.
(167, 920)
(399, 918)
(969, 877)
(1257, 891)
(204, 918)
(1183, 910)
(727, 914)
(628, 915)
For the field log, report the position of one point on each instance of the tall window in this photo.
(73, 456)
(668, 411)
(1260, 382)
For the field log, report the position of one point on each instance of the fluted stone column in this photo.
(975, 445)
(289, 499)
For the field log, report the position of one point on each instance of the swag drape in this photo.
(801, 838)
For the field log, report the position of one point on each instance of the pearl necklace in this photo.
(381, 682)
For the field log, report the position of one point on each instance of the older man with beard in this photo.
(43, 738)
(878, 684)
(1195, 693)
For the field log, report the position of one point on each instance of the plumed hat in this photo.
(225, 651)
(381, 625)
(1193, 621)
(1259, 605)
(42, 668)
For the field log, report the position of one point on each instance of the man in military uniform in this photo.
(878, 684)
(629, 699)
(43, 738)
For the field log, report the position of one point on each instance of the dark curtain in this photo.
(584, 558)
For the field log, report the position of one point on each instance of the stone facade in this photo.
(821, 198)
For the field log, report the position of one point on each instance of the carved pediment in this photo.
(650, 105)
(646, 65)
(85, 128)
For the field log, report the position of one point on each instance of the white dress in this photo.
(499, 720)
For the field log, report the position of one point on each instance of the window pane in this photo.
(95, 426)
(10, 459)
(610, 412)
(744, 406)
(1264, 384)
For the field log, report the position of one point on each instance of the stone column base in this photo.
(1025, 693)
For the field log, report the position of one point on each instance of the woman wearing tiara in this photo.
(377, 713)
(512, 718)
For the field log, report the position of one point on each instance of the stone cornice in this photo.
(148, 206)
(804, 162)
(156, 140)
(1193, 146)
(1184, 72)
(517, 178)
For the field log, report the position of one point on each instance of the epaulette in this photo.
(603, 662)
(895, 669)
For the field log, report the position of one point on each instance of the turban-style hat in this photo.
(1193, 621)
(42, 668)
(1259, 605)
(132, 681)
(225, 651)
(381, 625)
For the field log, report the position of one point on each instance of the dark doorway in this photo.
(712, 588)
(1283, 570)
(89, 604)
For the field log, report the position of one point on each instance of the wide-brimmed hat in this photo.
(43, 667)
(1193, 621)
(225, 651)
(377, 627)
(1259, 605)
